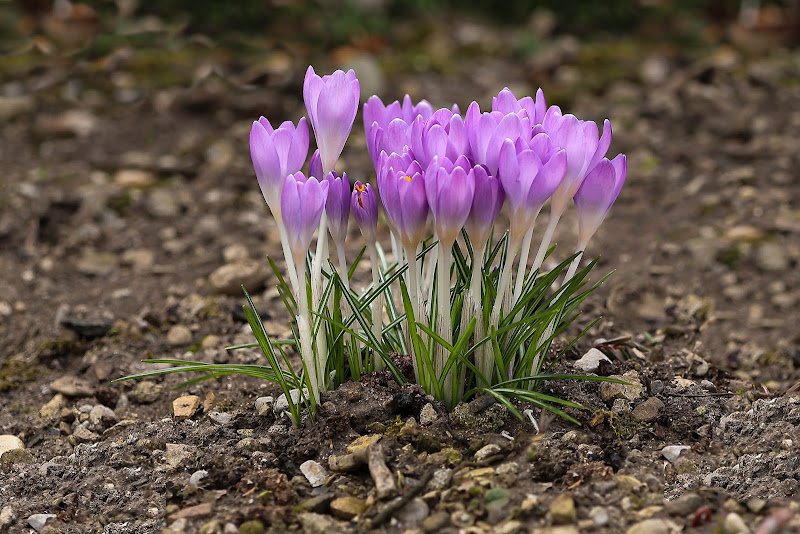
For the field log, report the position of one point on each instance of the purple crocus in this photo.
(315, 166)
(393, 137)
(486, 133)
(449, 189)
(443, 135)
(375, 111)
(529, 174)
(332, 104)
(596, 195)
(337, 206)
(584, 147)
(364, 205)
(302, 202)
(505, 102)
(402, 188)
(277, 153)
(486, 203)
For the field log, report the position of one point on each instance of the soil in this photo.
(127, 183)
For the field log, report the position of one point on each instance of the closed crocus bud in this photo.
(394, 137)
(302, 202)
(276, 154)
(528, 179)
(332, 104)
(315, 166)
(584, 147)
(596, 195)
(337, 206)
(443, 135)
(486, 204)
(505, 102)
(402, 189)
(364, 205)
(449, 188)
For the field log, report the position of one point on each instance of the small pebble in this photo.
(487, 451)
(185, 407)
(734, 524)
(179, 335)
(314, 473)
(263, 405)
(37, 521)
(672, 452)
(427, 415)
(197, 477)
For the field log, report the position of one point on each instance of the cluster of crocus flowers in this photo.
(437, 172)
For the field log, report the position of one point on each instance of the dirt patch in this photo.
(115, 215)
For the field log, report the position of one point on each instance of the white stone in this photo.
(590, 362)
(428, 414)
(281, 405)
(9, 442)
(487, 451)
(222, 418)
(197, 477)
(37, 521)
(314, 473)
(671, 452)
(263, 405)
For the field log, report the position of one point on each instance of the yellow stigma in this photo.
(408, 178)
(360, 188)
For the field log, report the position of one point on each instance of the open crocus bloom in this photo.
(302, 202)
(596, 195)
(276, 153)
(332, 104)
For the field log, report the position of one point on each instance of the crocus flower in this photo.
(402, 189)
(486, 133)
(332, 104)
(584, 149)
(315, 166)
(596, 195)
(375, 111)
(486, 203)
(529, 174)
(505, 102)
(449, 189)
(364, 205)
(277, 153)
(443, 135)
(302, 202)
(337, 206)
(393, 137)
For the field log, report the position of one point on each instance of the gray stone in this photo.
(734, 524)
(314, 473)
(72, 386)
(146, 392)
(413, 513)
(313, 523)
(179, 335)
(223, 418)
(684, 505)
(53, 405)
(178, 452)
(282, 404)
(562, 510)
(487, 451)
(650, 526)
(647, 410)
(672, 452)
(92, 263)
(16, 456)
(263, 405)
(609, 391)
(772, 257)
(83, 435)
(427, 415)
(197, 477)
(7, 516)
(229, 279)
(590, 362)
(37, 521)
(102, 416)
(599, 515)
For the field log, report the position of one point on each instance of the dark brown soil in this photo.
(126, 182)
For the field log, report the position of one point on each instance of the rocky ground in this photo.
(129, 215)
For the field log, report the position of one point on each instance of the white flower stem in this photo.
(472, 308)
(523, 266)
(505, 278)
(444, 321)
(316, 265)
(573, 267)
(287, 254)
(414, 295)
(306, 343)
(377, 304)
(546, 239)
